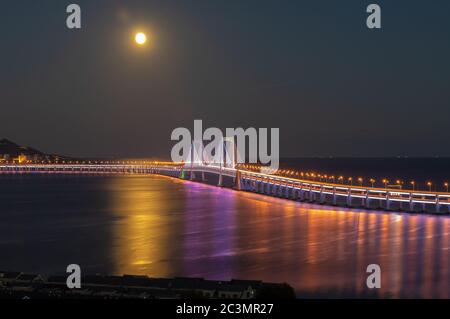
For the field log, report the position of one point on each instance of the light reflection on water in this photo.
(166, 227)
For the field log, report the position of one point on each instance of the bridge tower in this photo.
(225, 156)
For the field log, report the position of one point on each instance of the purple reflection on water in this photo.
(320, 250)
(217, 226)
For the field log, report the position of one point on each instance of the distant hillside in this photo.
(13, 150)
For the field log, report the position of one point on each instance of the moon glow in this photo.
(140, 38)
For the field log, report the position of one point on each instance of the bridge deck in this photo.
(257, 182)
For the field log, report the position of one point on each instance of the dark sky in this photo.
(311, 68)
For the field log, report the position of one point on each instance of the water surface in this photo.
(165, 227)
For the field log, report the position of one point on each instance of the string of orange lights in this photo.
(340, 179)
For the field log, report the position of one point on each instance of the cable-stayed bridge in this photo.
(224, 170)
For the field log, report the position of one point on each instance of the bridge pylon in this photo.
(238, 181)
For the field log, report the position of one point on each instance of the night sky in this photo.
(311, 68)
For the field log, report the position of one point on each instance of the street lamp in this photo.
(385, 182)
(429, 185)
(341, 178)
(413, 183)
(372, 181)
(350, 180)
(399, 183)
(446, 186)
(360, 180)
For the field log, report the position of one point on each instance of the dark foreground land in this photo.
(17, 285)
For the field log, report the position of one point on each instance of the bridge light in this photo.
(446, 186)
(429, 185)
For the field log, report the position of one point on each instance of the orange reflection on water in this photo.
(142, 228)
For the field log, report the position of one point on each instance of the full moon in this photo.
(140, 38)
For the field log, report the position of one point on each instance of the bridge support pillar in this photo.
(310, 195)
(313, 196)
(220, 182)
(438, 205)
(301, 194)
(321, 195)
(367, 204)
(203, 177)
(238, 180)
(349, 198)
(411, 204)
(349, 201)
